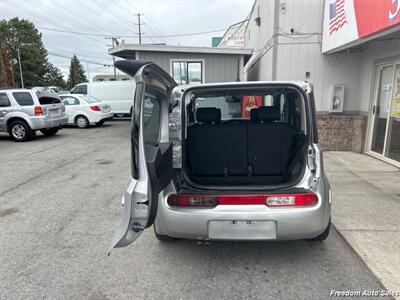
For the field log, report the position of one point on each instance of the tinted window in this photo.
(4, 101)
(23, 98)
(151, 118)
(48, 100)
(238, 106)
(80, 89)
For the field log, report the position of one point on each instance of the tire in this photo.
(162, 237)
(20, 131)
(50, 131)
(82, 122)
(323, 236)
(100, 123)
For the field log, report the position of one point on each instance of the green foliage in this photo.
(37, 71)
(54, 77)
(76, 73)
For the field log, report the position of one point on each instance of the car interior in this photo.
(245, 137)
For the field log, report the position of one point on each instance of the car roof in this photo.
(15, 90)
(306, 86)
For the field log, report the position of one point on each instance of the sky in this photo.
(95, 20)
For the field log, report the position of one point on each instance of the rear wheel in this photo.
(82, 121)
(50, 131)
(162, 237)
(20, 131)
(323, 236)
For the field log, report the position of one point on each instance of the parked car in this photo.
(23, 112)
(225, 161)
(119, 94)
(83, 110)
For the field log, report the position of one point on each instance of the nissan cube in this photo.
(223, 161)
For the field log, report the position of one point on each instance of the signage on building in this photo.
(234, 36)
(348, 22)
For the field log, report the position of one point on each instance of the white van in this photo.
(119, 94)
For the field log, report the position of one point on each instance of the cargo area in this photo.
(246, 137)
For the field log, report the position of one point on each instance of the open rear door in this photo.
(151, 149)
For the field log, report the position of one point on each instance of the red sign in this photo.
(374, 16)
(248, 103)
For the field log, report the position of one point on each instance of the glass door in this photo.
(381, 108)
(385, 136)
(392, 144)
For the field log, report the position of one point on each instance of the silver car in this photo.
(23, 112)
(226, 161)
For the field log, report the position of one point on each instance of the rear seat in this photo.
(257, 149)
(269, 143)
(216, 149)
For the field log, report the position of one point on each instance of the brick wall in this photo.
(342, 132)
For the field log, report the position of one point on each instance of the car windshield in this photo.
(90, 99)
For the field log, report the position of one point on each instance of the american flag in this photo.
(337, 16)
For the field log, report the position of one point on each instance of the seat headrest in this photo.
(208, 115)
(268, 114)
(254, 115)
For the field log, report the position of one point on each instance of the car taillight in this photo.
(305, 199)
(192, 200)
(38, 111)
(95, 107)
(271, 200)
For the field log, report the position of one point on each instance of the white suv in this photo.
(23, 112)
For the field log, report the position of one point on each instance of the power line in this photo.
(84, 60)
(129, 36)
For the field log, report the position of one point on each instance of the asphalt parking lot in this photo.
(60, 204)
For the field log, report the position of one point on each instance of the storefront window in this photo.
(186, 72)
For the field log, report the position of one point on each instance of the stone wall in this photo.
(339, 132)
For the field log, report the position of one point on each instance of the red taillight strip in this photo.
(95, 107)
(301, 199)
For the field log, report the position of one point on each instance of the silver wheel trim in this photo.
(18, 131)
(81, 122)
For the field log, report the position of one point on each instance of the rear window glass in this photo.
(4, 101)
(23, 98)
(48, 100)
(90, 99)
(270, 105)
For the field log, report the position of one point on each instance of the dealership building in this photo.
(350, 51)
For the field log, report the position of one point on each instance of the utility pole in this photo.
(140, 29)
(114, 42)
(88, 74)
(20, 68)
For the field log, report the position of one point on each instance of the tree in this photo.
(76, 73)
(54, 77)
(22, 34)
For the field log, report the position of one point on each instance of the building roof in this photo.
(128, 50)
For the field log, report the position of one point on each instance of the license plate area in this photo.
(54, 112)
(242, 230)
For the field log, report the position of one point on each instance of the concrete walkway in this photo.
(366, 210)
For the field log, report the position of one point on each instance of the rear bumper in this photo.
(100, 117)
(291, 223)
(42, 122)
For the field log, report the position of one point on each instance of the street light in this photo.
(19, 62)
